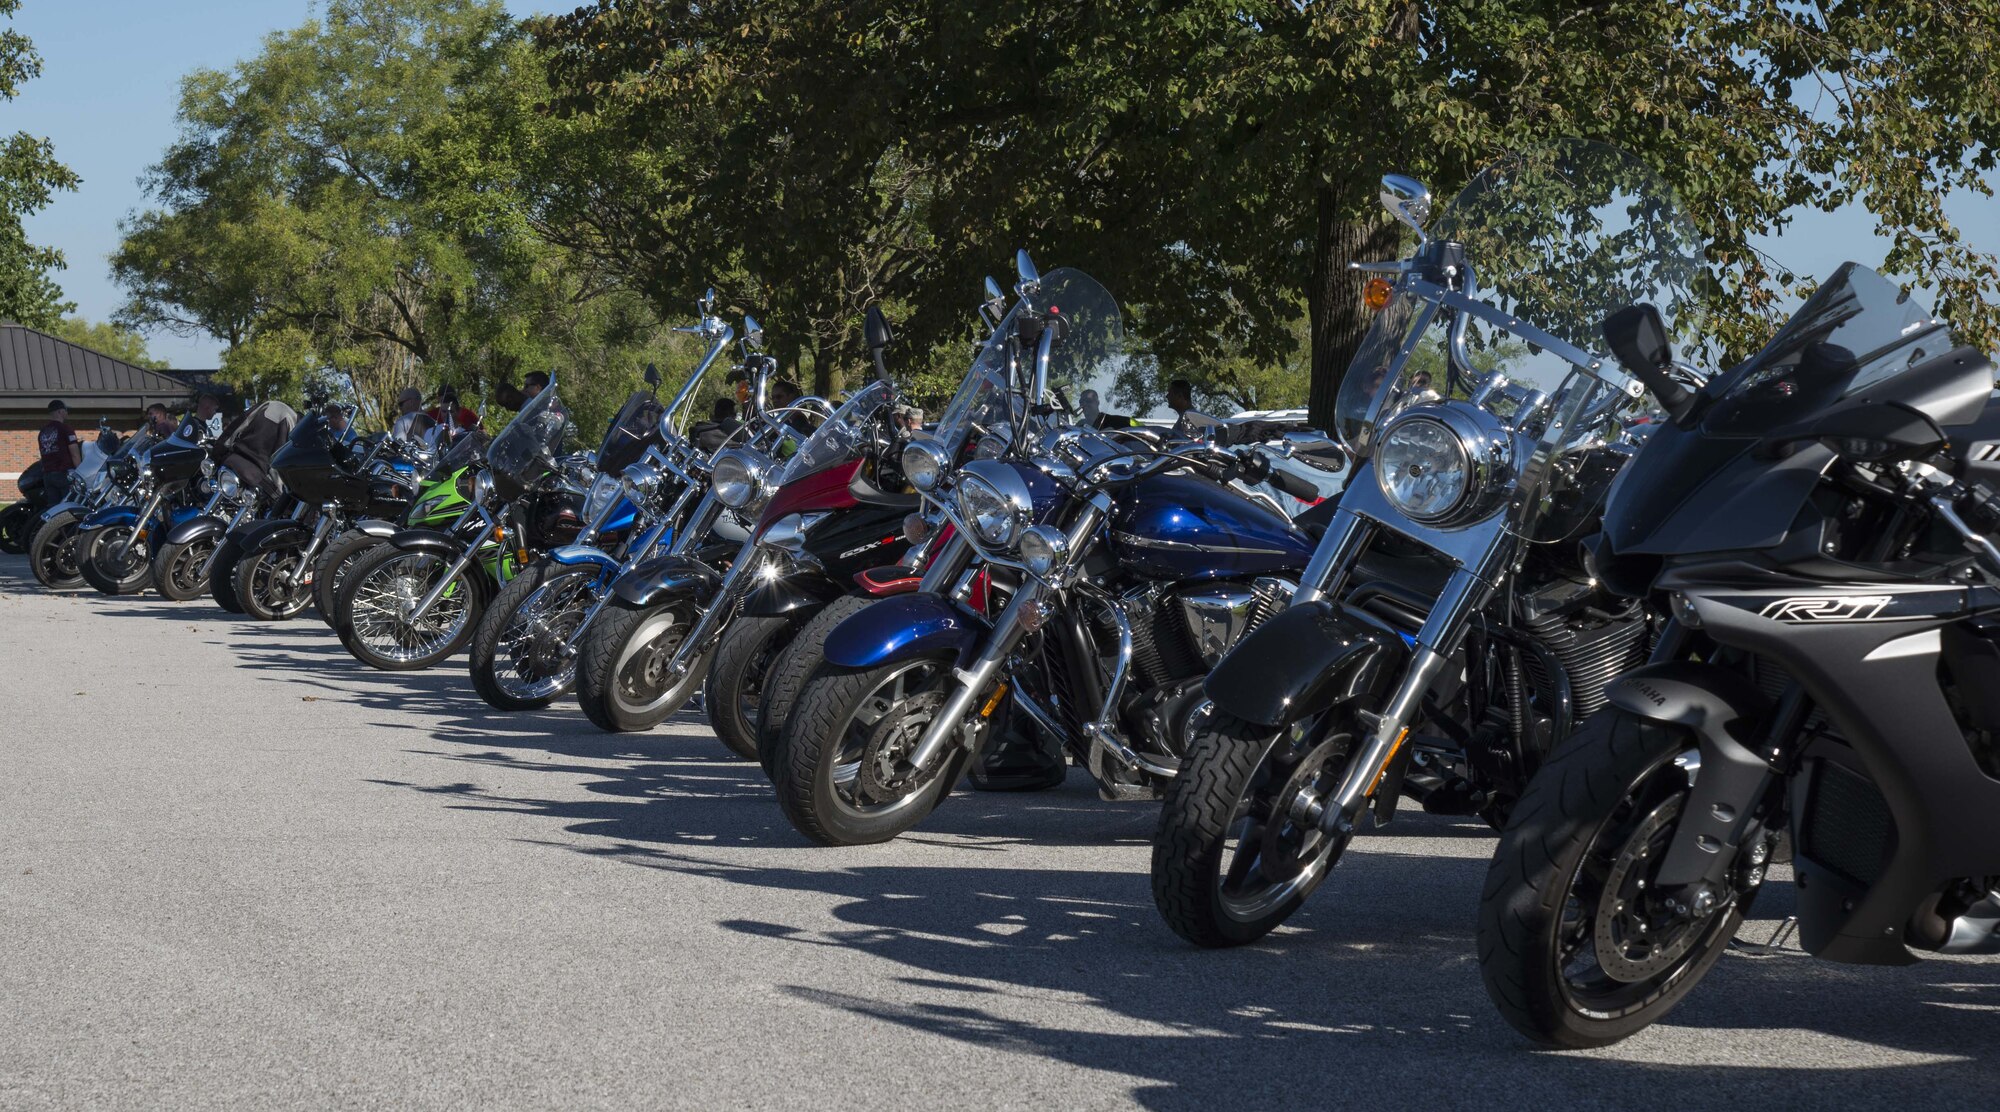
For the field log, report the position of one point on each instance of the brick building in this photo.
(35, 367)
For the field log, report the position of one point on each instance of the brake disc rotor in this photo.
(890, 742)
(1291, 843)
(1630, 944)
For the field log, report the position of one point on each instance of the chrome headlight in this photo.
(482, 488)
(602, 493)
(207, 467)
(642, 477)
(1437, 465)
(1043, 547)
(995, 502)
(228, 485)
(924, 462)
(739, 477)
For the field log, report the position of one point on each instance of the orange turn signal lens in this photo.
(1376, 294)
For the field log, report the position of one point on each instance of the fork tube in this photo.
(971, 681)
(1336, 550)
(719, 608)
(208, 565)
(139, 523)
(945, 566)
(431, 596)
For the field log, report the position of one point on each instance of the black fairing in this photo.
(316, 469)
(1305, 659)
(841, 545)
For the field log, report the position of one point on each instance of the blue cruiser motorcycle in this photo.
(1089, 580)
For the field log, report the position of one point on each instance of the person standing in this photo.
(62, 453)
(159, 420)
(208, 414)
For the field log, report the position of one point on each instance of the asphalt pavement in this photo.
(240, 870)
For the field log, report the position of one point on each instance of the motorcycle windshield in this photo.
(625, 439)
(467, 448)
(527, 448)
(1874, 330)
(137, 444)
(413, 428)
(1546, 243)
(841, 436)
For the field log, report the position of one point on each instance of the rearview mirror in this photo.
(1637, 337)
(652, 375)
(753, 333)
(1031, 279)
(993, 290)
(1408, 200)
(877, 329)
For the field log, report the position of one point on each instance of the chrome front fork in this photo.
(692, 648)
(458, 566)
(139, 524)
(242, 514)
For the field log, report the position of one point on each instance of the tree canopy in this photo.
(30, 176)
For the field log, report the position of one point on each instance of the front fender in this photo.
(575, 555)
(645, 582)
(198, 527)
(375, 527)
(804, 588)
(110, 515)
(270, 535)
(61, 508)
(901, 628)
(1304, 660)
(435, 541)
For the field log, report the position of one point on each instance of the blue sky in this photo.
(111, 77)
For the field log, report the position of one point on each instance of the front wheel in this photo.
(520, 657)
(52, 554)
(17, 526)
(273, 585)
(372, 614)
(334, 563)
(180, 571)
(1237, 850)
(793, 667)
(625, 678)
(738, 680)
(839, 765)
(110, 565)
(1575, 944)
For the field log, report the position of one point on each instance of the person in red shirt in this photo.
(62, 453)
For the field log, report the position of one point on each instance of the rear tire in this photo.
(262, 589)
(500, 674)
(97, 558)
(334, 563)
(52, 554)
(1604, 789)
(738, 678)
(794, 667)
(177, 569)
(378, 637)
(620, 683)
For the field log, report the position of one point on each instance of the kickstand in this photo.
(1776, 943)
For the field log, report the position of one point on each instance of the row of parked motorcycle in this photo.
(1662, 627)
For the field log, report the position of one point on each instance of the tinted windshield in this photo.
(841, 436)
(626, 437)
(1870, 331)
(465, 449)
(1554, 240)
(527, 448)
(136, 443)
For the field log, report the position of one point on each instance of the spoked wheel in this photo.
(109, 565)
(335, 561)
(520, 657)
(17, 527)
(373, 614)
(626, 679)
(1239, 847)
(1576, 943)
(274, 585)
(52, 554)
(737, 681)
(793, 667)
(841, 766)
(180, 571)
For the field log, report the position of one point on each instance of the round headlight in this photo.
(227, 484)
(991, 516)
(1423, 468)
(641, 477)
(482, 487)
(738, 477)
(1043, 547)
(924, 462)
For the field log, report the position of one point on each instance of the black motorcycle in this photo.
(52, 549)
(1817, 521)
(242, 488)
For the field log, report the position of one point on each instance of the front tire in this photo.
(738, 680)
(180, 570)
(1230, 862)
(793, 668)
(103, 568)
(847, 730)
(17, 525)
(1569, 947)
(622, 680)
(335, 561)
(268, 584)
(52, 554)
(369, 615)
(518, 659)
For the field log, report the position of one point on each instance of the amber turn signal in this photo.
(1376, 294)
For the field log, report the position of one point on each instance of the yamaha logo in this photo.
(1826, 608)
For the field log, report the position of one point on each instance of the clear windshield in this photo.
(1554, 240)
(527, 448)
(137, 443)
(625, 439)
(464, 450)
(1858, 329)
(991, 401)
(839, 437)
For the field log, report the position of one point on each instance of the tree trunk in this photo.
(1333, 298)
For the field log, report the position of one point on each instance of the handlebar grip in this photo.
(1293, 485)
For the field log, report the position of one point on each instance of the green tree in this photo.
(29, 177)
(356, 199)
(115, 340)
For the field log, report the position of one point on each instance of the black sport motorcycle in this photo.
(1817, 521)
(1446, 631)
